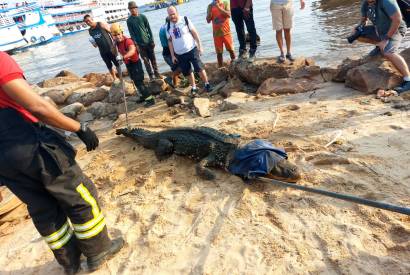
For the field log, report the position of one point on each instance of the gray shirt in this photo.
(379, 14)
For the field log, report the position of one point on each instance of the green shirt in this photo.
(140, 30)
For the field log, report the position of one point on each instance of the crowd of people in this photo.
(38, 165)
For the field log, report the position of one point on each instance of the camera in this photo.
(357, 34)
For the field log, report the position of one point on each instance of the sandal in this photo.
(281, 58)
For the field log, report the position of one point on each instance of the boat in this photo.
(115, 10)
(68, 16)
(10, 35)
(32, 24)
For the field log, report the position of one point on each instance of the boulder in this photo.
(201, 106)
(131, 106)
(60, 94)
(89, 95)
(64, 73)
(115, 95)
(233, 85)
(372, 76)
(273, 86)
(157, 86)
(260, 70)
(101, 109)
(85, 117)
(49, 100)
(218, 75)
(57, 81)
(73, 110)
(181, 91)
(99, 79)
(308, 72)
(228, 106)
(328, 74)
(173, 100)
(342, 69)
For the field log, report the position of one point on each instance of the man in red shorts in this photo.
(219, 13)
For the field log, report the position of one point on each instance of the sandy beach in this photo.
(176, 223)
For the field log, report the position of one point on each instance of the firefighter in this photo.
(38, 166)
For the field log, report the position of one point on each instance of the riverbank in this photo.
(176, 223)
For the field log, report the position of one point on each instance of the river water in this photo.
(319, 32)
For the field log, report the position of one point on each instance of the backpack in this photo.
(186, 23)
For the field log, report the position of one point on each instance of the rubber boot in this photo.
(96, 262)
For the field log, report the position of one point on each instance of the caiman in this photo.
(206, 145)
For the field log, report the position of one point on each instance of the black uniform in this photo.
(38, 166)
(105, 44)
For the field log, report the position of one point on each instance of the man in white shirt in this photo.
(282, 22)
(185, 47)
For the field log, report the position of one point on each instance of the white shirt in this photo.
(181, 37)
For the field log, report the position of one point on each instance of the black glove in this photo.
(87, 136)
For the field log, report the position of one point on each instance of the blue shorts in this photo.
(168, 59)
(185, 60)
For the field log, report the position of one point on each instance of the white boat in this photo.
(32, 24)
(68, 16)
(10, 35)
(115, 10)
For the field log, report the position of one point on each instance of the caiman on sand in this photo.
(206, 145)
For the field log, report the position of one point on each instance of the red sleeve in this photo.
(9, 70)
(129, 43)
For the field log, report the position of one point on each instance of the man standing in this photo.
(101, 38)
(242, 11)
(141, 33)
(38, 165)
(132, 61)
(386, 34)
(166, 53)
(219, 13)
(282, 22)
(185, 47)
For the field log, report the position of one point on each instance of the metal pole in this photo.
(346, 197)
(123, 91)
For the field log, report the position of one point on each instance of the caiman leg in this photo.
(203, 171)
(164, 149)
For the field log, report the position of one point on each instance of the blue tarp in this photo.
(255, 159)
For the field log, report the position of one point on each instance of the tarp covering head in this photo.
(256, 159)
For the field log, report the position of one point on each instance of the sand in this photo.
(176, 223)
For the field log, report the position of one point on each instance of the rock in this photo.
(228, 106)
(85, 117)
(115, 95)
(131, 106)
(218, 75)
(233, 85)
(405, 96)
(309, 72)
(328, 74)
(95, 96)
(293, 107)
(157, 86)
(57, 81)
(73, 110)
(173, 100)
(202, 107)
(327, 159)
(374, 75)
(60, 94)
(389, 113)
(64, 73)
(37, 89)
(49, 100)
(181, 91)
(99, 79)
(342, 69)
(286, 86)
(260, 70)
(101, 109)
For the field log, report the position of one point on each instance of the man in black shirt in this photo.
(101, 38)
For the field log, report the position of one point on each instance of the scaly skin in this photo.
(206, 145)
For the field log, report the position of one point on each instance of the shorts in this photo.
(185, 60)
(168, 59)
(282, 16)
(392, 46)
(109, 59)
(220, 41)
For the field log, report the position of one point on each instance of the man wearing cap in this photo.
(130, 55)
(101, 39)
(141, 33)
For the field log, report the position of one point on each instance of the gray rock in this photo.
(101, 109)
(286, 86)
(73, 110)
(173, 100)
(157, 86)
(85, 117)
(115, 95)
(60, 94)
(228, 106)
(201, 106)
